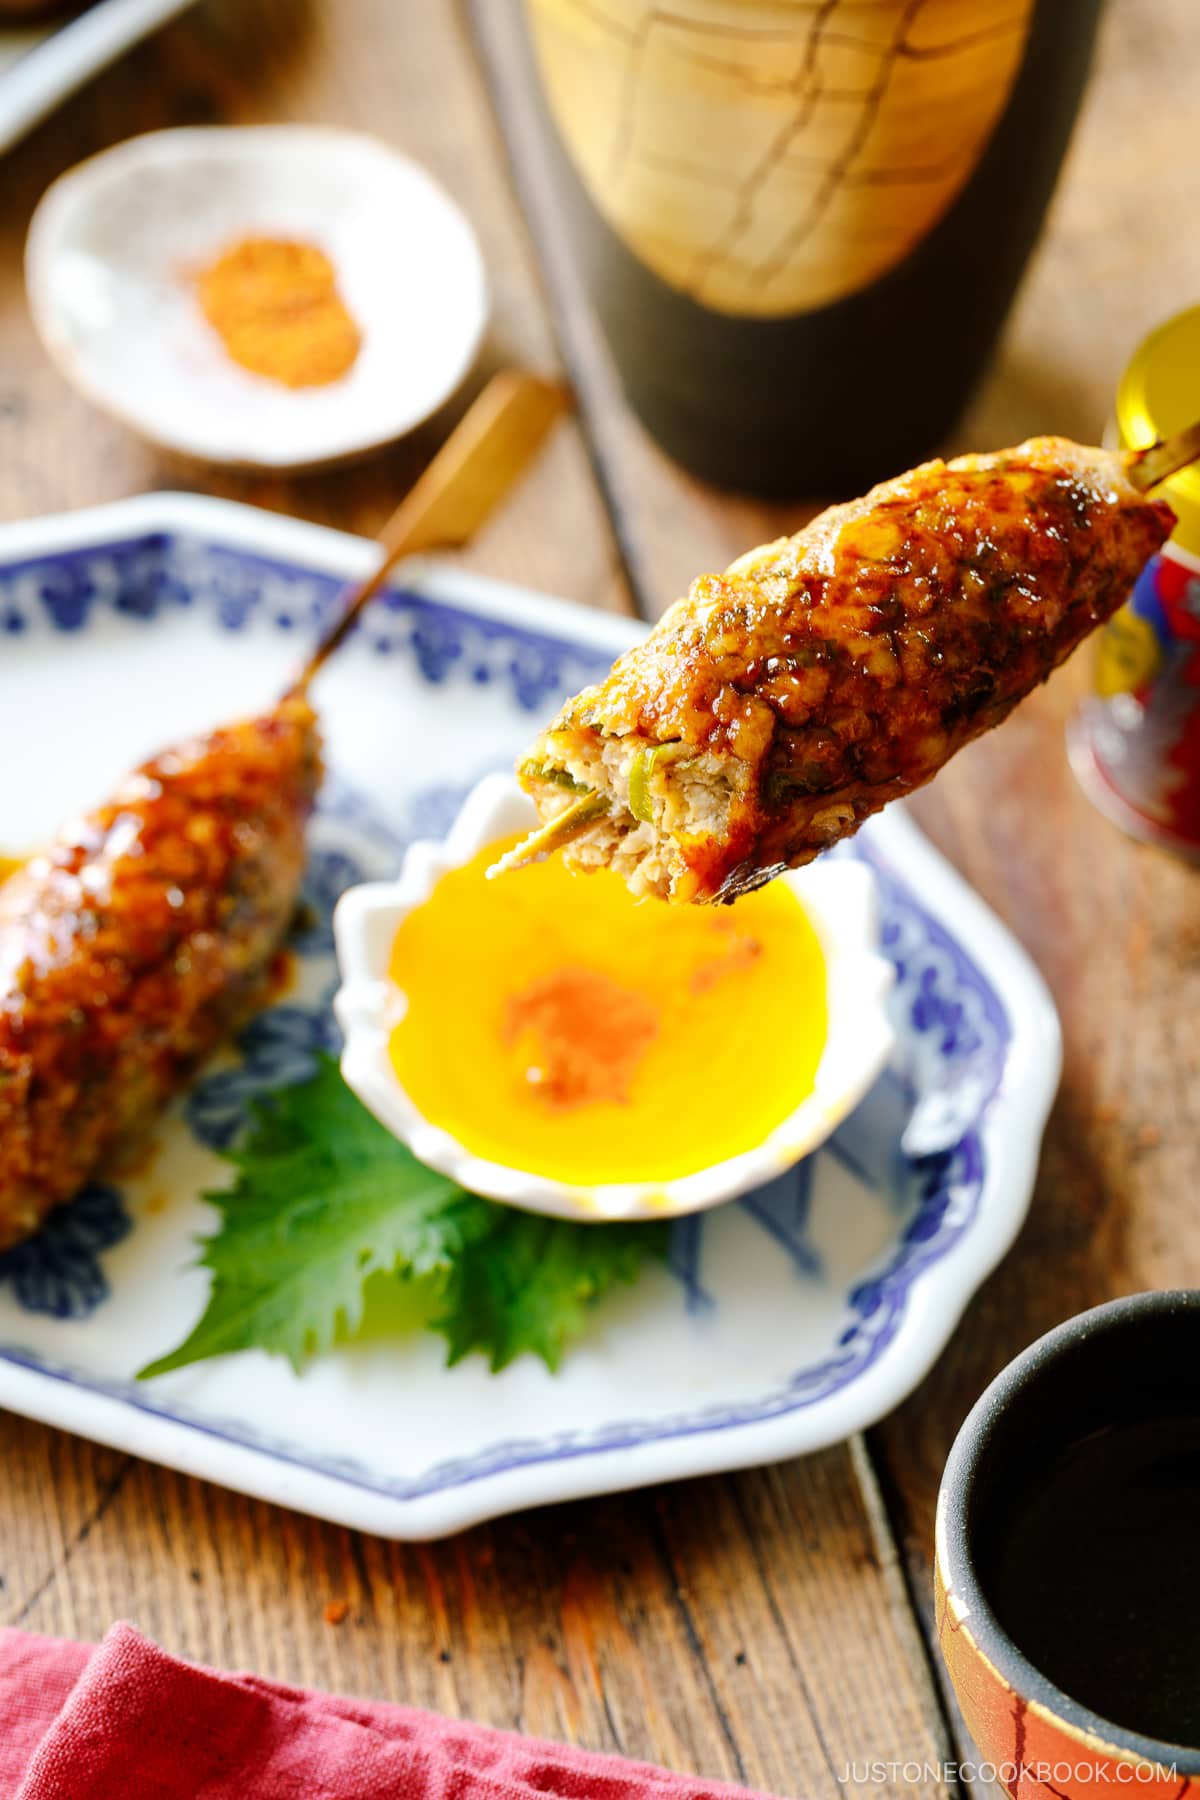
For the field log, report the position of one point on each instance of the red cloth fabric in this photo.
(125, 1721)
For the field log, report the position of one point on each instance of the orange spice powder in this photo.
(588, 1033)
(275, 304)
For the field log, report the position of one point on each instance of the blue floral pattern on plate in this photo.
(153, 574)
(59, 1271)
(917, 1144)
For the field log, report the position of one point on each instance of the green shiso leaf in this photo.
(331, 1224)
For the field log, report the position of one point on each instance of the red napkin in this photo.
(125, 1721)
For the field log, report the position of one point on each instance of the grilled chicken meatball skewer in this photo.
(778, 705)
(139, 940)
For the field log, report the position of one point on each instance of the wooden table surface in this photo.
(769, 1627)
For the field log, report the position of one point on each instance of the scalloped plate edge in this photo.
(1012, 1128)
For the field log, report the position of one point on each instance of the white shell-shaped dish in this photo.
(115, 245)
(839, 900)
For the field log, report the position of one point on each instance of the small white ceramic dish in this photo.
(839, 900)
(115, 245)
(44, 60)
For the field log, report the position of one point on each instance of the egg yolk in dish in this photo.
(556, 1024)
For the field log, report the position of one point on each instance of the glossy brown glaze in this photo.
(139, 940)
(832, 671)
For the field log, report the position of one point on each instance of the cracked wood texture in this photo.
(762, 1626)
(758, 210)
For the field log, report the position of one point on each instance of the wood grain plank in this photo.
(735, 1627)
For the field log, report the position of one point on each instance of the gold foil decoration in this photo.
(773, 156)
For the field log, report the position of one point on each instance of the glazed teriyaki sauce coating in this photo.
(825, 674)
(137, 942)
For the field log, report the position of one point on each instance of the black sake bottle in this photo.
(802, 222)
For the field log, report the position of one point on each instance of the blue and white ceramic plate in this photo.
(786, 1320)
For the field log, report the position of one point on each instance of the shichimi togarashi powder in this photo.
(275, 304)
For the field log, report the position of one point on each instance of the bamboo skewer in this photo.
(481, 459)
(1146, 468)
(548, 839)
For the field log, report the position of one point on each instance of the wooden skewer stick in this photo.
(1154, 464)
(481, 459)
(548, 839)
